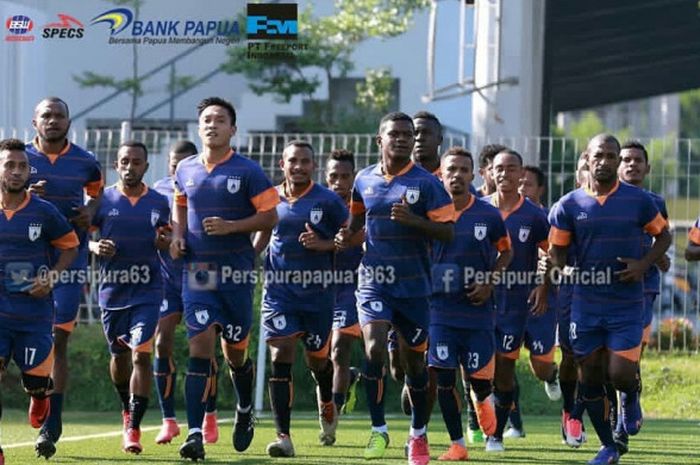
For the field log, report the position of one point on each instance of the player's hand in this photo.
(163, 238)
(634, 272)
(38, 188)
(309, 239)
(664, 263)
(83, 219)
(479, 293)
(401, 213)
(538, 300)
(216, 226)
(342, 239)
(105, 248)
(177, 248)
(40, 288)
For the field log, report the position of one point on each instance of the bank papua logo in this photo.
(67, 27)
(272, 21)
(19, 27)
(118, 19)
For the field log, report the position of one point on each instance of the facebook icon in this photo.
(446, 278)
(272, 21)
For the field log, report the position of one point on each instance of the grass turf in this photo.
(660, 442)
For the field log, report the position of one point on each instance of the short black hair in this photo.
(394, 116)
(219, 102)
(12, 144)
(635, 144)
(54, 99)
(427, 115)
(134, 144)
(342, 155)
(458, 151)
(300, 143)
(511, 152)
(539, 174)
(488, 153)
(184, 147)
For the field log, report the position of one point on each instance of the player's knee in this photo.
(543, 371)
(164, 347)
(141, 360)
(340, 354)
(37, 386)
(374, 351)
(482, 388)
(445, 379)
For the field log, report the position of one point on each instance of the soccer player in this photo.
(634, 167)
(301, 244)
(62, 173)
(402, 208)
(32, 231)
(607, 223)
(220, 198)
(340, 173)
(170, 316)
(528, 228)
(486, 156)
(461, 320)
(692, 252)
(131, 221)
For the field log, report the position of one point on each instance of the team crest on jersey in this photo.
(316, 215)
(202, 316)
(233, 184)
(442, 351)
(136, 335)
(155, 216)
(368, 190)
(33, 170)
(189, 183)
(582, 216)
(113, 212)
(279, 322)
(524, 233)
(34, 231)
(412, 195)
(480, 231)
(376, 306)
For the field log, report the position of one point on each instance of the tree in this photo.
(331, 41)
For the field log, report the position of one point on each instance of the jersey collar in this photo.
(282, 189)
(602, 198)
(132, 200)
(388, 177)
(51, 156)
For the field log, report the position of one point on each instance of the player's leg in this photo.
(515, 418)
(165, 373)
(210, 424)
(3, 358)
(540, 338)
(341, 348)
(114, 325)
(509, 338)
(396, 369)
(474, 433)
(281, 389)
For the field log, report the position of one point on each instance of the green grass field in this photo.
(660, 442)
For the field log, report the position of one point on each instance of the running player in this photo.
(461, 321)
(403, 207)
(62, 173)
(31, 230)
(692, 252)
(302, 242)
(221, 198)
(131, 221)
(607, 222)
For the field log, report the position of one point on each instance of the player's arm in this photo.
(67, 244)
(85, 213)
(349, 236)
(179, 224)
(692, 253)
(259, 221)
(478, 294)
(662, 241)
(433, 227)
(260, 240)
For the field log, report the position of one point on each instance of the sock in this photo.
(137, 408)
(503, 404)
(339, 399)
(214, 384)
(381, 429)
(460, 442)
(165, 376)
(373, 378)
(418, 392)
(596, 403)
(324, 380)
(281, 395)
(579, 406)
(471, 409)
(516, 420)
(242, 379)
(124, 396)
(449, 404)
(568, 394)
(197, 380)
(611, 395)
(54, 424)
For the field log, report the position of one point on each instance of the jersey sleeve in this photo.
(357, 204)
(439, 205)
(95, 182)
(694, 233)
(498, 234)
(649, 216)
(179, 195)
(164, 219)
(541, 230)
(261, 193)
(561, 229)
(59, 232)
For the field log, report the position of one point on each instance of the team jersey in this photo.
(132, 276)
(171, 270)
(396, 259)
(233, 189)
(325, 212)
(604, 228)
(694, 233)
(28, 237)
(348, 259)
(528, 229)
(479, 233)
(652, 278)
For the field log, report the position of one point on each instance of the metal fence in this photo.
(675, 164)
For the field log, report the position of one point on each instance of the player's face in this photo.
(507, 171)
(14, 170)
(487, 175)
(297, 164)
(529, 188)
(174, 159)
(603, 161)
(582, 173)
(633, 166)
(215, 127)
(51, 121)
(396, 140)
(457, 174)
(131, 165)
(339, 176)
(428, 139)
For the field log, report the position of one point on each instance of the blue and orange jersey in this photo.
(528, 228)
(603, 229)
(233, 189)
(29, 236)
(479, 234)
(325, 213)
(132, 276)
(170, 269)
(400, 254)
(652, 278)
(694, 233)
